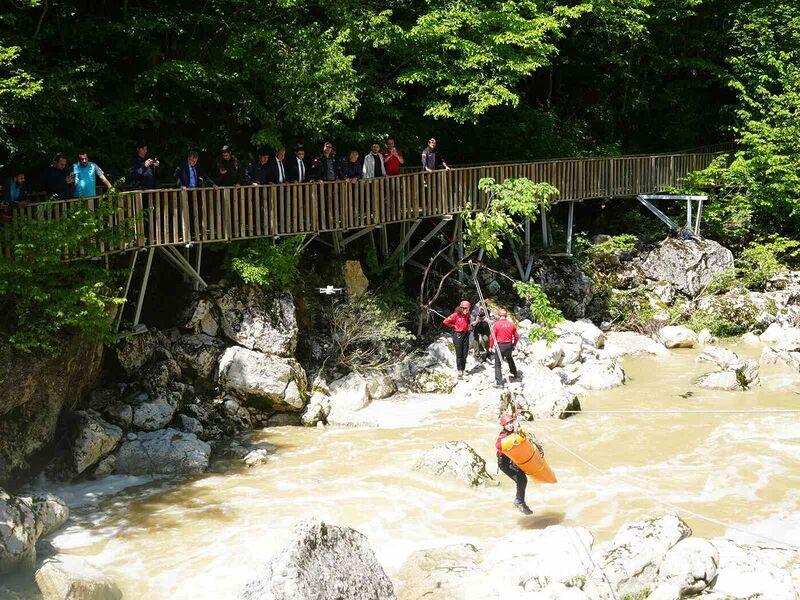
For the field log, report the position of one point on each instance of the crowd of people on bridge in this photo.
(269, 167)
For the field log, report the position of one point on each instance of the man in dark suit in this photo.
(278, 167)
(297, 168)
(190, 175)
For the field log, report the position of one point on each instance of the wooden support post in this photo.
(144, 286)
(357, 235)
(131, 269)
(460, 250)
(569, 227)
(456, 228)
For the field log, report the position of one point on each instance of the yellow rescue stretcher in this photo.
(527, 457)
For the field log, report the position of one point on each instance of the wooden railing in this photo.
(179, 216)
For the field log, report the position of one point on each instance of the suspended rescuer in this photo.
(459, 323)
(507, 466)
(505, 334)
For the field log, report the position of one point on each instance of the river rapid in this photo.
(203, 538)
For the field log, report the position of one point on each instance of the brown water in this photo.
(204, 538)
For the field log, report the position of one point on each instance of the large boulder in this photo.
(691, 565)
(151, 415)
(456, 460)
(69, 577)
(135, 351)
(348, 395)
(258, 322)
(677, 336)
(589, 333)
(782, 338)
(199, 354)
(567, 286)
(636, 553)
(542, 394)
(354, 279)
(743, 573)
(18, 533)
(88, 440)
(321, 562)
(533, 560)
(688, 265)
(50, 512)
(163, 452)
(266, 380)
(545, 353)
(738, 376)
(627, 343)
(443, 573)
(34, 389)
(202, 316)
(595, 374)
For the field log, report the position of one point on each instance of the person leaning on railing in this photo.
(297, 170)
(324, 167)
(432, 158)
(227, 167)
(257, 172)
(85, 173)
(351, 169)
(14, 195)
(392, 157)
(190, 175)
(373, 163)
(277, 167)
(144, 171)
(58, 181)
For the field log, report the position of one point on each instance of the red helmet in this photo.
(464, 304)
(506, 419)
(502, 312)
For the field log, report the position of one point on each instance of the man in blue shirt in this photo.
(85, 173)
(13, 196)
(189, 174)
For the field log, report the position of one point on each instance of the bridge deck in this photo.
(173, 216)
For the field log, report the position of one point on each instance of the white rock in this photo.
(665, 591)
(677, 336)
(541, 393)
(545, 353)
(691, 565)
(322, 562)
(199, 354)
(256, 457)
(773, 334)
(535, 559)
(571, 350)
(689, 265)
(50, 511)
(18, 533)
(163, 452)
(742, 574)
(635, 554)
(588, 331)
(202, 318)
(247, 373)
(317, 410)
(457, 460)
(722, 357)
(68, 577)
(348, 395)
(628, 343)
(744, 377)
(750, 339)
(93, 439)
(705, 336)
(156, 414)
(446, 573)
(599, 375)
(251, 319)
(380, 387)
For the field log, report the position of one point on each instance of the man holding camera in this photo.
(145, 169)
(479, 325)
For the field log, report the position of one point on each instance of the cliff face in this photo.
(33, 391)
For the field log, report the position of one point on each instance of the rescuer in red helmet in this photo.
(459, 323)
(507, 466)
(505, 334)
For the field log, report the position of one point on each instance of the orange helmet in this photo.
(502, 312)
(506, 419)
(464, 304)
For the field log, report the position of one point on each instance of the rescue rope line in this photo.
(675, 507)
(677, 411)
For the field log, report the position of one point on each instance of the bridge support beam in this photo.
(445, 220)
(181, 264)
(404, 241)
(131, 269)
(143, 289)
(356, 235)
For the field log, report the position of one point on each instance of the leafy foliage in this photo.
(508, 204)
(760, 262)
(271, 265)
(544, 315)
(46, 296)
(366, 333)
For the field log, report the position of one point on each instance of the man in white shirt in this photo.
(373, 163)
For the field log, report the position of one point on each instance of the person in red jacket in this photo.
(459, 323)
(507, 466)
(505, 334)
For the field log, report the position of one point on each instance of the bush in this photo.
(760, 262)
(545, 316)
(271, 265)
(367, 334)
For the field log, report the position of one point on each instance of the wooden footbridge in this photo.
(336, 213)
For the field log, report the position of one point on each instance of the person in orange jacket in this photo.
(459, 323)
(507, 466)
(505, 334)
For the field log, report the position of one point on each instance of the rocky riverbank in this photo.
(181, 397)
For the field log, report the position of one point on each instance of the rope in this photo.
(474, 268)
(743, 411)
(648, 492)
